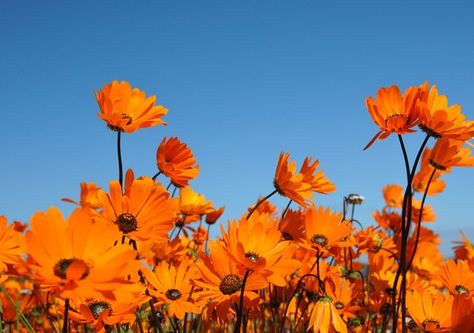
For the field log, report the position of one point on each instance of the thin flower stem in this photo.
(207, 238)
(66, 315)
(298, 286)
(139, 323)
(119, 157)
(156, 175)
(418, 227)
(18, 312)
(405, 231)
(286, 209)
(240, 310)
(259, 203)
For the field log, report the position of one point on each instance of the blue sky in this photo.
(243, 80)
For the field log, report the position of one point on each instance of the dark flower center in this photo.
(173, 294)
(61, 267)
(252, 256)
(429, 131)
(126, 223)
(431, 324)
(98, 307)
(286, 236)
(319, 240)
(461, 289)
(230, 284)
(339, 305)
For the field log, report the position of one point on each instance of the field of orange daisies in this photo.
(136, 257)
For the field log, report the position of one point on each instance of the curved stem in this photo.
(240, 310)
(286, 209)
(405, 231)
(119, 157)
(418, 227)
(259, 203)
(66, 315)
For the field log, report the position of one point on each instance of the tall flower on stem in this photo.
(394, 112)
(126, 110)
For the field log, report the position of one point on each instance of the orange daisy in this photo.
(103, 311)
(126, 110)
(192, 205)
(221, 284)
(90, 196)
(258, 248)
(176, 161)
(12, 243)
(457, 277)
(318, 182)
(448, 153)
(431, 312)
(77, 256)
(326, 229)
(325, 317)
(395, 113)
(440, 120)
(421, 178)
(172, 286)
(393, 195)
(214, 215)
(144, 212)
(291, 184)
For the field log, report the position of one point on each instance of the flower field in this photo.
(137, 256)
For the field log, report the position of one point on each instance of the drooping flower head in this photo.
(126, 110)
(176, 161)
(448, 153)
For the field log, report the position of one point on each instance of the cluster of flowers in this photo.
(137, 257)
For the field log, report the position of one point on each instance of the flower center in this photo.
(98, 307)
(252, 256)
(461, 289)
(429, 131)
(431, 324)
(286, 236)
(339, 305)
(319, 240)
(437, 165)
(61, 267)
(126, 223)
(173, 294)
(230, 284)
(326, 299)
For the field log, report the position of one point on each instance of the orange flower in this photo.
(421, 178)
(12, 243)
(258, 248)
(457, 277)
(77, 256)
(126, 110)
(464, 250)
(172, 286)
(440, 120)
(221, 284)
(326, 229)
(395, 113)
(193, 204)
(299, 187)
(325, 318)
(145, 212)
(448, 153)
(176, 161)
(291, 184)
(213, 215)
(101, 311)
(318, 182)
(393, 195)
(432, 313)
(292, 225)
(90, 196)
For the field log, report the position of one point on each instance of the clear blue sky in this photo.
(243, 80)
